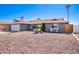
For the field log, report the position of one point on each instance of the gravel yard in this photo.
(77, 35)
(29, 43)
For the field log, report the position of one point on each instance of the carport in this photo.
(4, 26)
(19, 26)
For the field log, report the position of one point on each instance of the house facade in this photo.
(19, 27)
(57, 25)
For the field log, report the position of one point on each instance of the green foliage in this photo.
(42, 27)
(15, 20)
(39, 26)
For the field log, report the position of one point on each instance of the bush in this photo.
(39, 26)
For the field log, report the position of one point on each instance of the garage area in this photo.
(19, 27)
(4, 27)
(15, 27)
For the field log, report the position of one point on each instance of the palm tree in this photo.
(67, 7)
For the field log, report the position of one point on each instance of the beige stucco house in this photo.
(57, 24)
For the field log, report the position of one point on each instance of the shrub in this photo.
(38, 26)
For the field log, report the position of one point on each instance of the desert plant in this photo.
(39, 26)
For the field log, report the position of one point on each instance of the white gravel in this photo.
(46, 43)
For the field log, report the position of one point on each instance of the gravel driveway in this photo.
(29, 43)
(77, 35)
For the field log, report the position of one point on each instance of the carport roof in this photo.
(2, 23)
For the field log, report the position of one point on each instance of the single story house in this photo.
(58, 25)
(50, 23)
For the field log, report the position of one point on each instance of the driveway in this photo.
(29, 43)
(77, 35)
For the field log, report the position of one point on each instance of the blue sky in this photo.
(33, 11)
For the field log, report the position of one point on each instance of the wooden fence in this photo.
(68, 28)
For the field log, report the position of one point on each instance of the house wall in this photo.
(60, 25)
(15, 27)
(47, 27)
(19, 27)
(9, 29)
(31, 26)
(24, 27)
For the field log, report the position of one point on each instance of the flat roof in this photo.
(40, 22)
(4, 23)
(35, 22)
(57, 20)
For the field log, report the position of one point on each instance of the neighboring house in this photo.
(75, 28)
(4, 26)
(57, 25)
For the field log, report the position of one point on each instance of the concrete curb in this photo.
(75, 37)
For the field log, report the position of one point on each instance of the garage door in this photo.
(15, 27)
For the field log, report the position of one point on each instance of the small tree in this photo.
(15, 20)
(38, 28)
